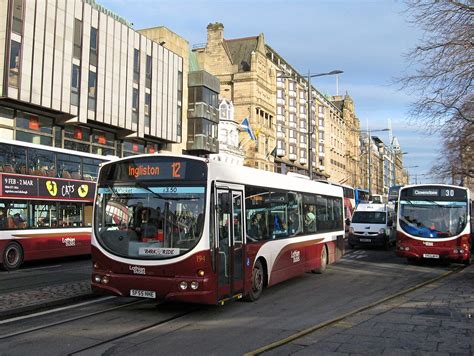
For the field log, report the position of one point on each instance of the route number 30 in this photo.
(449, 193)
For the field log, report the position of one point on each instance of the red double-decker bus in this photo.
(434, 223)
(189, 229)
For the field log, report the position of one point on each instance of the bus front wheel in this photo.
(257, 282)
(12, 256)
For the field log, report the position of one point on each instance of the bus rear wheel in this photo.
(324, 261)
(257, 282)
(12, 256)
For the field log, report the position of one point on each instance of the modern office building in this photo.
(75, 75)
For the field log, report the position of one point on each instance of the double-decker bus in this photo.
(361, 196)
(185, 228)
(46, 202)
(434, 223)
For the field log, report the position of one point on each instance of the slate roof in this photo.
(240, 50)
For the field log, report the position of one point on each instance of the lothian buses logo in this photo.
(137, 270)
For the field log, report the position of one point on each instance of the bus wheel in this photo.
(324, 261)
(12, 256)
(257, 282)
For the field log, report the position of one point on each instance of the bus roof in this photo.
(58, 150)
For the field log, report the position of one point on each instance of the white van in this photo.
(370, 225)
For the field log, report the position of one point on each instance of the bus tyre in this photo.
(12, 256)
(257, 282)
(324, 261)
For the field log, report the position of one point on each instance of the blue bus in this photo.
(361, 196)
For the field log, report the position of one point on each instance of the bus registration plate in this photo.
(365, 240)
(430, 255)
(142, 293)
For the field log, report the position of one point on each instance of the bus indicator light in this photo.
(200, 272)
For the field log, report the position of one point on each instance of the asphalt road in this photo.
(112, 327)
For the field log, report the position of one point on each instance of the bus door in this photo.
(230, 242)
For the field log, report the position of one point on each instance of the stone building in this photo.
(351, 154)
(274, 97)
(248, 81)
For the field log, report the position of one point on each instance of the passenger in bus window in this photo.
(19, 221)
(3, 219)
(310, 218)
(256, 226)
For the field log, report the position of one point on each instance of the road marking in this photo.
(314, 328)
(7, 321)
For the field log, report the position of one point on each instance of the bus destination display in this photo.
(157, 170)
(435, 193)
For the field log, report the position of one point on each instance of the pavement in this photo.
(35, 299)
(436, 319)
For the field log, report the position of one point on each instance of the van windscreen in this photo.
(369, 217)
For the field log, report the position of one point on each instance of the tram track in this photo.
(300, 334)
(135, 331)
(61, 322)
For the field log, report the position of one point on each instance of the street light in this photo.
(310, 119)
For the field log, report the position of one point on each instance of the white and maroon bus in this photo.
(185, 228)
(46, 198)
(434, 223)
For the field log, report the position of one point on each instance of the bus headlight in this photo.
(194, 285)
(183, 285)
(382, 231)
(105, 279)
(97, 279)
(458, 250)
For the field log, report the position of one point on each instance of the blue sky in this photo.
(364, 38)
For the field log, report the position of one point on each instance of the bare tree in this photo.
(456, 160)
(443, 62)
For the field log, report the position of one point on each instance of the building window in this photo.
(77, 38)
(14, 72)
(92, 90)
(147, 109)
(17, 25)
(136, 66)
(93, 51)
(103, 143)
(135, 106)
(75, 84)
(148, 72)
